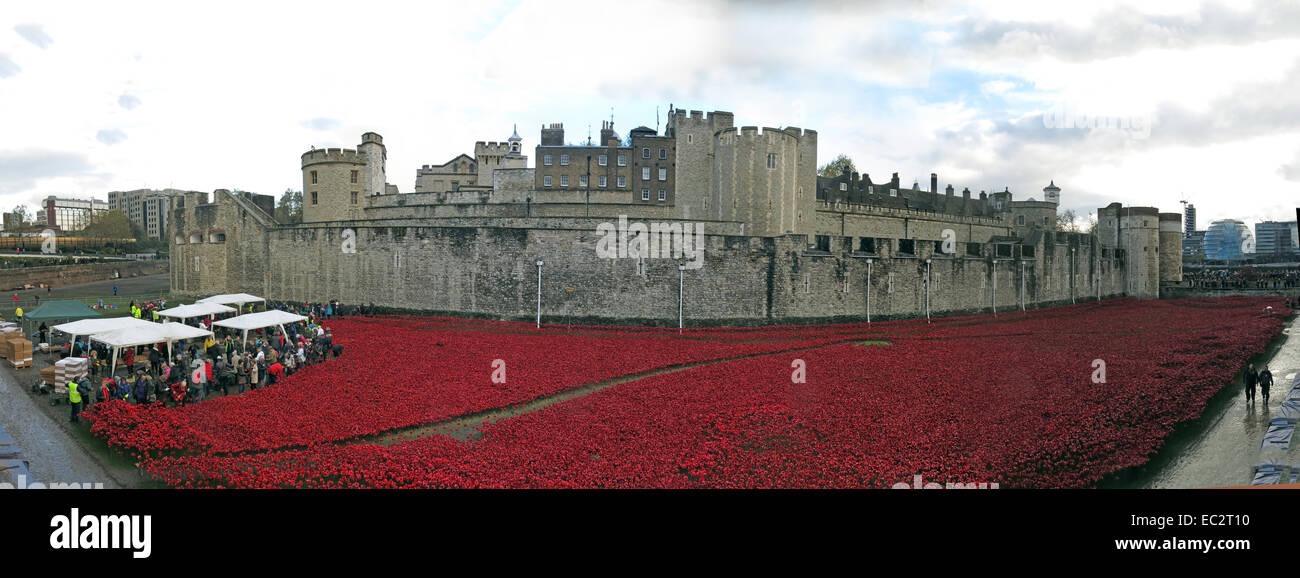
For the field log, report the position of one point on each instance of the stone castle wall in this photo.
(486, 267)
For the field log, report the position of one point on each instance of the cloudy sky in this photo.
(1149, 105)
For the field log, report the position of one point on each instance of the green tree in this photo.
(837, 167)
(289, 207)
(108, 225)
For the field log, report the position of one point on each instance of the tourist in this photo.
(224, 374)
(178, 392)
(155, 360)
(338, 350)
(128, 357)
(106, 388)
(274, 372)
(1249, 378)
(252, 369)
(115, 290)
(1265, 383)
(123, 391)
(142, 390)
(241, 372)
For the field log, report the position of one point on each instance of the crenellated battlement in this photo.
(491, 147)
(333, 155)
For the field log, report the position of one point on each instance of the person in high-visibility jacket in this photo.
(19, 313)
(74, 399)
(155, 315)
(136, 312)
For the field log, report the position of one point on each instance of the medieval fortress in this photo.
(733, 221)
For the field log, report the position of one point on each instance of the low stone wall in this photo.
(60, 275)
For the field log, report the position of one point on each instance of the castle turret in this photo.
(1052, 193)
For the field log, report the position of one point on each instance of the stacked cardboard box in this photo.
(47, 374)
(69, 368)
(19, 352)
(8, 333)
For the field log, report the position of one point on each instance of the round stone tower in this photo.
(332, 184)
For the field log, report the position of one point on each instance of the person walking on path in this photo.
(1265, 383)
(115, 290)
(1250, 378)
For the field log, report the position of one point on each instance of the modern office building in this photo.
(1276, 238)
(66, 214)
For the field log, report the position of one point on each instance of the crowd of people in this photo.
(1242, 278)
(222, 364)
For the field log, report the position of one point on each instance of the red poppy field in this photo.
(1012, 400)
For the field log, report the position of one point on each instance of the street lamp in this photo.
(681, 292)
(1022, 284)
(539, 293)
(868, 290)
(993, 300)
(1073, 276)
(927, 290)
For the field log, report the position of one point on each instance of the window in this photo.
(690, 138)
(196, 238)
(1020, 219)
(564, 180)
(582, 180)
(663, 195)
(455, 168)
(645, 153)
(1003, 251)
(564, 160)
(354, 197)
(663, 154)
(546, 160)
(663, 174)
(822, 243)
(354, 176)
(604, 181)
(1027, 251)
(622, 181)
(907, 246)
(313, 197)
(871, 189)
(1044, 220)
(622, 160)
(893, 192)
(216, 237)
(313, 177)
(771, 160)
(866, 245)
(603, 160)
(645, 194)
(645, 173)
(974, 250)
(546, 181)
(844, 186)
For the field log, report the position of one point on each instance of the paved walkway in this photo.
(1226, 450)
(53, 453)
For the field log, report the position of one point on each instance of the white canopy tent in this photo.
(260, 320)
(147, 334)
(184, 312)
(236, 299)
(101, 325)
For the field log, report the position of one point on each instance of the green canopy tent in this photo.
(59, 311)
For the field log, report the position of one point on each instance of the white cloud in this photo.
(35, 34)
(901, 87)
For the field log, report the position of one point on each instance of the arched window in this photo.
(196, 237)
